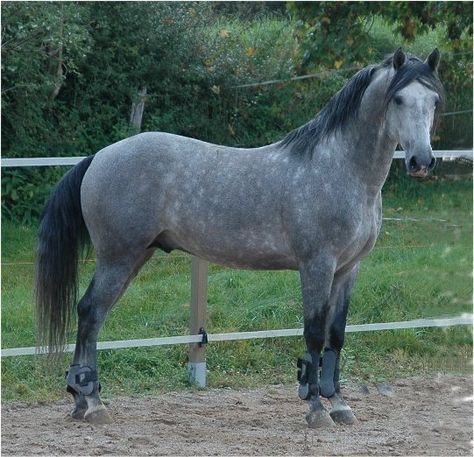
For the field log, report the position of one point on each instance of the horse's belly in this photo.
(269, 262)
(237, 250)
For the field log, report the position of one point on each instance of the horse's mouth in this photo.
(423, 173)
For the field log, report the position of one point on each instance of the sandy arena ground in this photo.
(409, 417)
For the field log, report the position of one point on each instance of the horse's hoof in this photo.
(343, 416)
(98, 416)
(319, 419)
(78, 414)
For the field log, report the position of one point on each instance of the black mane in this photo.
(344, 105)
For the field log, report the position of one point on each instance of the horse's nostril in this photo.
(413, 163)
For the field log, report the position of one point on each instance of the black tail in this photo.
(61, 236)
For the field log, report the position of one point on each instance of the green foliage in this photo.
(23, 196)
(236, 54)
(71, 70)
(337, 32)
(42, 45)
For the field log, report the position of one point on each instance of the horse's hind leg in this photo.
(109, 283)
(330, 373)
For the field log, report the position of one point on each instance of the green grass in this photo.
(418, 269)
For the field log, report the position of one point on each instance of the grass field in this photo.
(418, 269)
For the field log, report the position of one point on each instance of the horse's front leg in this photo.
(316, 281)
(330, 372)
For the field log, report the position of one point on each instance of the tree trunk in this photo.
(58, 72)
(137, 109)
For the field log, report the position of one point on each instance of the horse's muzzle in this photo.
(420, 167)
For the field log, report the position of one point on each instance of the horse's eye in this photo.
(398, 100)
(437, 102)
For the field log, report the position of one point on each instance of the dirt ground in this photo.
(407, 417)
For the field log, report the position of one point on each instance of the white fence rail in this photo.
(465, 319)
(49, 161)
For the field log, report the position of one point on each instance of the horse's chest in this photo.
(361, 237)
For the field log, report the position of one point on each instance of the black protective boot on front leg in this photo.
(340, 411)
(308, 374)
(308, 377)
(337, 373)
(330, 360)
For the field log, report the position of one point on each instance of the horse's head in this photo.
(414, 99)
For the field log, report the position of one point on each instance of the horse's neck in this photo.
(369, 149)
(372, 154)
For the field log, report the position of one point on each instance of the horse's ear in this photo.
(433, 60)
(398, 58)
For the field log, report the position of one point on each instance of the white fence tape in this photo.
(465, 319)
(49, 161)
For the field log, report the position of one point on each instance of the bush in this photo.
(191, 59)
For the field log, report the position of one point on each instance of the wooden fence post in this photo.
(197, 352)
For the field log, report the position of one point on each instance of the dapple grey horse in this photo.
(310, 202)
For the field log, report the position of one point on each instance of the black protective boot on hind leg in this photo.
(81, 381)
(78, 380)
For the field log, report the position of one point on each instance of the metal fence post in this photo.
(197, 351)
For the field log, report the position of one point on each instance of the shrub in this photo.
(192, 60)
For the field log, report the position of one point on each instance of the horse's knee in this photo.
(336, 339)
(314, 333)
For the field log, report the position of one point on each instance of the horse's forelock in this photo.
(415, 70)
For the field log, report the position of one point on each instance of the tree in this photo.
(42, 46)
(333, 33)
